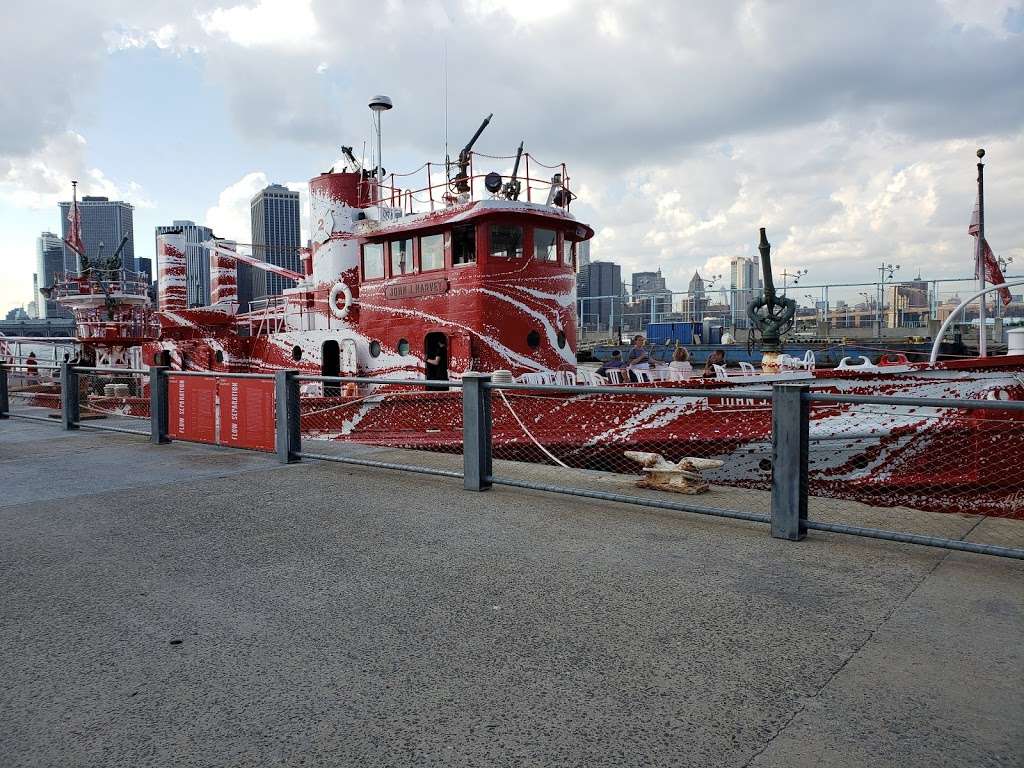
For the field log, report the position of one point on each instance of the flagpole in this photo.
(979, 264)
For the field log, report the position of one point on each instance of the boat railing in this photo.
(441, 190)
(100, 282)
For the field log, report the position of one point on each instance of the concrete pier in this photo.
(184, 605)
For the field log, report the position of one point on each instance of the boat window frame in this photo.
(444, 257)
(362, 261)
(504, 256)
(556, 261)
(471, 226)
(411, 266)
(568, 249)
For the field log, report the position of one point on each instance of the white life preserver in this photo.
(340, 312)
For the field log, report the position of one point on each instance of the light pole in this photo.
(867, 303)
(379, 104)
(884, 270)
(795, 275)
(709, 285)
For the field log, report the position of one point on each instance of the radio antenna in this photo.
(444, 101)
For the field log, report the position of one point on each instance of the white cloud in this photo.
(271, 23)
(230, 217)
(40, 180)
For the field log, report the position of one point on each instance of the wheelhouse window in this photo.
(464, 245)
(401, 257)
(373, 261)
(567, 248)
(506, 241)
(431, 252)
(545, 245)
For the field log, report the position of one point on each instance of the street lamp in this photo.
(795, 275)
(884, 270)
(867, 303)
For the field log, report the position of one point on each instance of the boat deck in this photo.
(193, 605)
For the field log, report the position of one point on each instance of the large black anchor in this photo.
(771, 316)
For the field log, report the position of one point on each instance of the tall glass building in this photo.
(103, 221)
(275, 237)
(49, 261)
(197, 259)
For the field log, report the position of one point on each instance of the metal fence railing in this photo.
(780, 454)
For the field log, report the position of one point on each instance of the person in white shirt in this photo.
(681, 362)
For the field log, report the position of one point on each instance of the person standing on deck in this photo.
(32, 366)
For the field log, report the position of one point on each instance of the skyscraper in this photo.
(648, 287)
(582, 254)
(599, 289)
(744, 282)
(49, 262)
(275, 237)
(197, 259)
(103, 221)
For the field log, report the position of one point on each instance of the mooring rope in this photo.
(529, 434)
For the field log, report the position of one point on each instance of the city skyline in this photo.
(873, 162)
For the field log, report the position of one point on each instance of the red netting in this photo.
(401, 417)
(936, 459)
(595, 432)
(115, 396)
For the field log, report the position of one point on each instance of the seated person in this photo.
(681, 361)
(638, 357)
(715, 358)
(614, 362)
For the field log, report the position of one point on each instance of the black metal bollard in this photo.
(790, 444)
(158, 414)
(288, 435)
(476, 431)
(69, 403)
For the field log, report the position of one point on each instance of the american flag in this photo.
(74, 238)
(993, 274)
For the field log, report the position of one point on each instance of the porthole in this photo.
(374, 349)
(765, 465)
(156, 358)
(533, 339)
(219, 356)
(561, 339)
(403, 347)
(296, 352)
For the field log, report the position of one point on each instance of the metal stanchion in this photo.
(288, 435)
(790, 443)
(476, 431)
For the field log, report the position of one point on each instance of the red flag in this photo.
(74, 238)
(993, 273)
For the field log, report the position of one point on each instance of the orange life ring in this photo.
(893, 359)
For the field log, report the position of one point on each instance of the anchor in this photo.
(770, 315)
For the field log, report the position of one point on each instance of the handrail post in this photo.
(158, 413)
(69, 405)
(288, 435)
(5, 402)
(476, 431)
(790, 445)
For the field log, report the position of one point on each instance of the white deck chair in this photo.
(720, 372)
(747, 369)
(615, 375)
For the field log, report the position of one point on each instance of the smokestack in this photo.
(223, 275)
(170, 256)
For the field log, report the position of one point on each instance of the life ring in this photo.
(340, 312)
(893, 359)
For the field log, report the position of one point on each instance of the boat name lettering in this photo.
(419, 288)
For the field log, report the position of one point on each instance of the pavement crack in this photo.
(870, 636)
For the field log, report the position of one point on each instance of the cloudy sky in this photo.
(848, 129)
